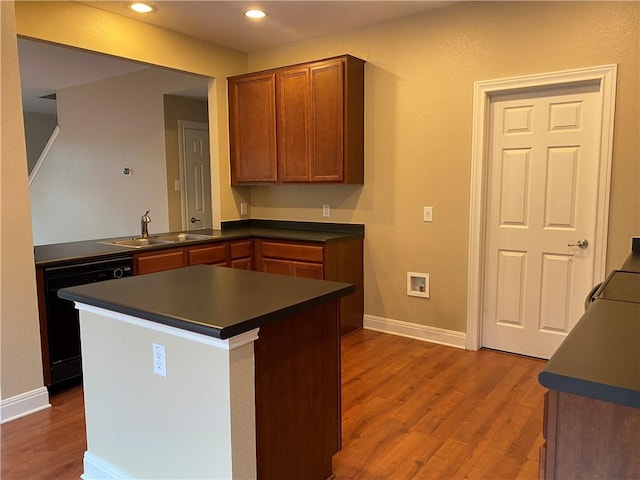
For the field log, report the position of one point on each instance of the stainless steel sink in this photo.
(165, 239)
(136, 242)
(184, 237)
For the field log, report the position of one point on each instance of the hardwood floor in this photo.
(411, 410)
(418, 410)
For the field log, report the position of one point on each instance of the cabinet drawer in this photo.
(241, 249)
(157, 262)
(293, 251)
(212, 254)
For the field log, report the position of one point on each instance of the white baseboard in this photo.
(24, 404)
(95, 468)
(441, 336)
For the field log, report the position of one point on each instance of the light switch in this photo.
(427, 214)
(176, 185)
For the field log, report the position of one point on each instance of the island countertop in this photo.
(215, 301)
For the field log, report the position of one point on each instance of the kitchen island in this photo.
(210, 372)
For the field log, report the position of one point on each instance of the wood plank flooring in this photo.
(416, 410)
(411, 410)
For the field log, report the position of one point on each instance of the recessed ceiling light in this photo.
(141, 7)
(255, 13)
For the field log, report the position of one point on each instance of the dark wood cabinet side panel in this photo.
(293, 124)
(344, 263)
(298, 408)
(158, 262)
(252, 125)
(354, 121)
(595, 439)
(547, 464)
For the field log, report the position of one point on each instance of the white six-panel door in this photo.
(196, 173)
(543, 171)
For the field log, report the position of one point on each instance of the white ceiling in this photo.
(45, 68)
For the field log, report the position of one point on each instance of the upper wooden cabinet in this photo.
(252, 128)
(303, 123)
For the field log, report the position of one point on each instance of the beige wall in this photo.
(178, 108)
(419, 91)
(21, 367)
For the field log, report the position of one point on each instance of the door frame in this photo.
(182, 124)
(483, 92)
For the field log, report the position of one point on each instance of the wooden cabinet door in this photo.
(241, 264)
(293, 124)
(307, 270)
(252, 128)
(210, 255)
(276, 265)
(158, 262)
(327, 122)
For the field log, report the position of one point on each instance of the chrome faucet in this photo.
(144, 224)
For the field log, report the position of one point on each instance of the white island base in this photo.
(197, 422)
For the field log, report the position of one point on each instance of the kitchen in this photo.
(408, 128)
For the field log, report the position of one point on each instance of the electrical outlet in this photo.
(159, 360)
(243, 208)
(326, 210)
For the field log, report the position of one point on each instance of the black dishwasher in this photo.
(63, 327)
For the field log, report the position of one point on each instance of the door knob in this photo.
(580, 243)
(194, 219)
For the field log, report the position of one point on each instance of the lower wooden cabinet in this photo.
(589, 438)
(234, 254)
(241, 253)
(152, 262)
(337, 261)
(217, 254)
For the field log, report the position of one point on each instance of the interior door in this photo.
(541, 216)
(196, 176)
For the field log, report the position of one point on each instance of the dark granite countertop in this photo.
(215, 301)
(87, 250)
(600, 358)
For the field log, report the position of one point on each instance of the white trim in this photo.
(96, 468)
(606, 75)
(24, 404)
(226, 344)
(450, 338)
(44, 154)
